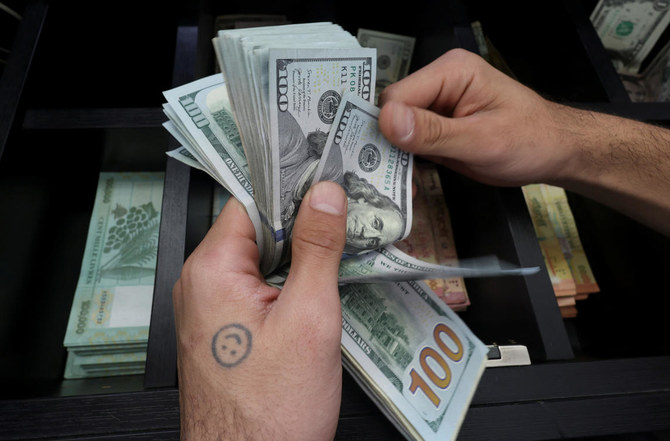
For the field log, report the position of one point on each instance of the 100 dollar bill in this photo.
(203, 123)
(376, 175)
(306, 89)
(414, 356)
(394, 55)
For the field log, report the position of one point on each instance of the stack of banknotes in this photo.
(108, 327)
(569, 270)
(630, 30)
(432, 239)
(294, 105)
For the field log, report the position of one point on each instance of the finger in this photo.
(425, 132)
(318, 242)
(230, 242)
(439, 85)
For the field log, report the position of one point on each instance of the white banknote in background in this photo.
(629, 29)
(394, 55)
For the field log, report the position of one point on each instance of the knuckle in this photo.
(388, 93)
(317, 241)
(459, 55)
(433, 132)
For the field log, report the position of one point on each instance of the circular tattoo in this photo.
(231, 345)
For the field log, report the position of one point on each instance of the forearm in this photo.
(619, 162)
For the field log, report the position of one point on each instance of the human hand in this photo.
(256, 362)
(465, 114)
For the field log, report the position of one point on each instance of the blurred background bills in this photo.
(633, 32)
(294, 104)
(394, 55)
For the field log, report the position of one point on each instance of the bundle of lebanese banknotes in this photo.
(568, 267)
(293, 105)
(108, 327)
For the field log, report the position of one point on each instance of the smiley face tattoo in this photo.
(231, 345)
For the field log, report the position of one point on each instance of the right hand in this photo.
(465, 114)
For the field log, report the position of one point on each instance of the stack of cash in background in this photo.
(432, 239)
(108, 327)
(283, 87)
(631, 31)
(569, 271)
(394, 56)
(568, 267)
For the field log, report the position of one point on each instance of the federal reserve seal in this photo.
(369, 158)
(328, 104)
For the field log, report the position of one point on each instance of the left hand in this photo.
(256, 362)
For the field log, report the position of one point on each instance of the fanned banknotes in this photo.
(285, 84)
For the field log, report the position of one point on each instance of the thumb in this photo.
(422, 131)
(317, 245)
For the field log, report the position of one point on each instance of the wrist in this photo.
(619, 162)
(573, 145)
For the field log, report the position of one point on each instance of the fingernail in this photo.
(327, 197)
(403, 121)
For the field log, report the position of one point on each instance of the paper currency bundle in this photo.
(432, 238)
(108, 328)
(568, 267)
(286, 85)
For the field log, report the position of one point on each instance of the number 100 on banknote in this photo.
(436, 365)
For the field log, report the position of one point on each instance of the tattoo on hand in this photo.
(231, 345)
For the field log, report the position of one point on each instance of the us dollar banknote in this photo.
(629, 29)
(412, 355)
(376, 176)
(201, 119)
(389, 264)
(306, 88)
(394, 55)
(261, 96)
